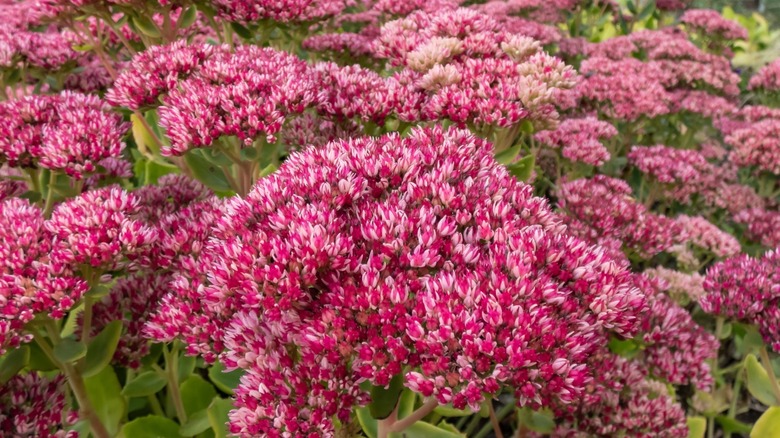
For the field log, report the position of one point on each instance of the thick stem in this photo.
(494, 421)
(419, 414)
(734, 399)
(384, 426)
(770, 371)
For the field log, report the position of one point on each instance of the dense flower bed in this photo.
(386, 218)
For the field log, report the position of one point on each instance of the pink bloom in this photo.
(32, 405)
(768, 78)
(580, 139)
(763, 226)
(711, 23)
(361, 259)
(704, 234)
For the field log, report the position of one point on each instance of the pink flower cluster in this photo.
(762, 225)
(704, 234)
(601, 208)
(622, 401)
(746, 289)
(757, 145)
(711, 23)
(682, 287)
(30, 282)
(277, 10)
(32, 405)
(676, 349)
(682, 172)
(580, 139)
(368, 258)
(768, 78)
(68, 132)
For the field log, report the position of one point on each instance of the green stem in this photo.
(155, 404)
(734, 398)
(500, 415)
(75, 380)
(48, 205)
(172, 374)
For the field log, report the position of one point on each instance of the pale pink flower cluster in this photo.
(580, 139)
(704, 234)
(768, 78)
(371, 257)
(746, 289)
(682, 173)
(462, 66)
(69, 132)
(763, 225)
(710, 23)
(681, 286)
(35, 406)
(602, 208)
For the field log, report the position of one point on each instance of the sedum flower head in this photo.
(372, 257)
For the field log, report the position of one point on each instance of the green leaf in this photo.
(101, 349)
(249, 154)
(768, 425)
(154, 169)
(146, 26)
(82, 47)
(98, 291)
(732, 425)
(69, 350)
(242, 31)
(188, 17)
(151, 426)
(508, 155)
(541, 422)
(225, 382)
(527, 127)
(726, 330)
(384, 400)
(522, 168)
(39, 361)
(104, 392)
(197, 423)
(758, 383)
(697, 426)
(155, 351)
(147, 383)
(367, 423)
(13, 362)
(627, 348)
(218, 416)
(647, 11)
(207, 173)
(421, 429)
(196, 394)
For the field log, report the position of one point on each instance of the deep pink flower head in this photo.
(747, 289)
(277, 10)
(247, 93)
(681, 173)
(580, 139)
(420, 255)
(68, 132)
(623, 401)
(32, 405)
(355, 92)
(768, 78)
(675, 348)
(757, 145)
(96, 229)
(29, 282)
(711, 23)
(602, 207)
(157, 70)
(763, 226)
(624, 89)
